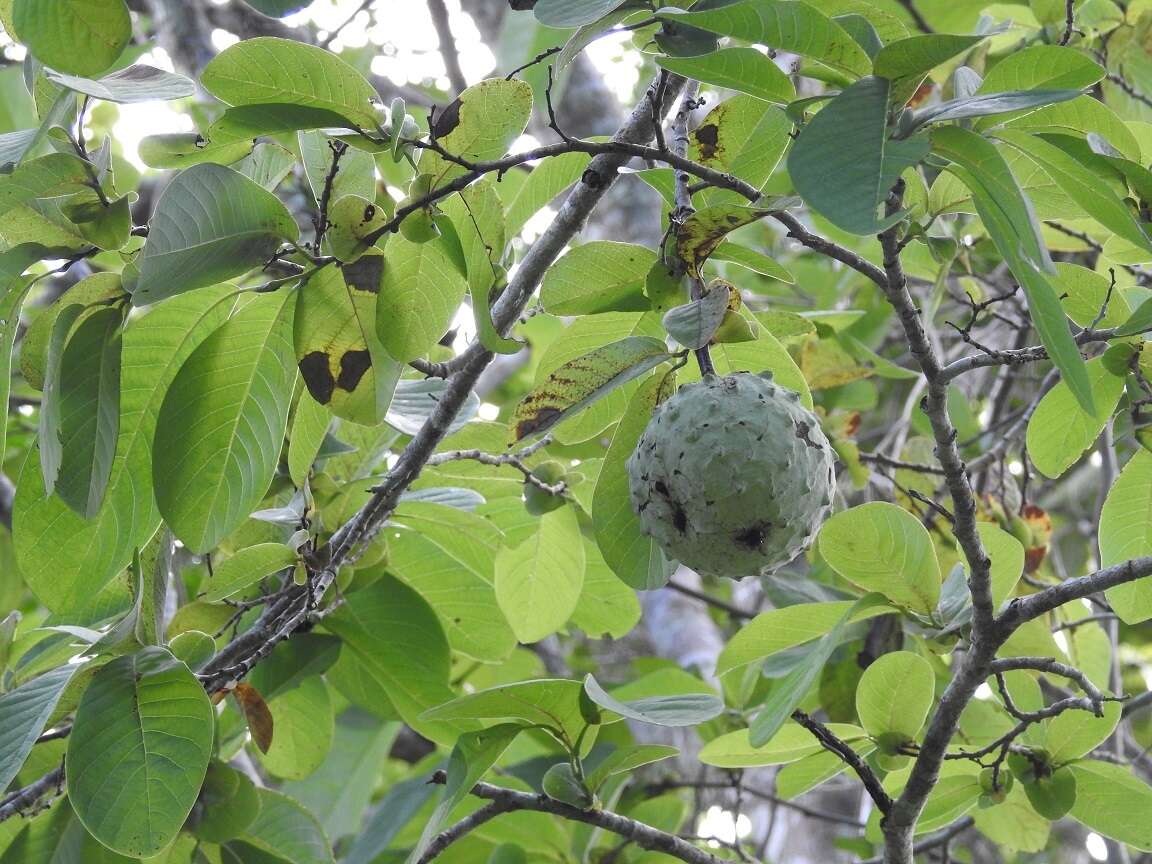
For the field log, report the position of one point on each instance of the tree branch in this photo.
(850, 758)
(1034, 605)
(644, 836)
(439, 14)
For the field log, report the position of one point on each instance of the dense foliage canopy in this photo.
(317, 541)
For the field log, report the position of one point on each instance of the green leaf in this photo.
(882, 547)
(448, 556)
(538, 582)
(1110, 800)
(184, 149)
(786, 26)
(211, 224)
(304, 727)
(247, 567)
(1059, 430)
(481, 124)
(13, 289)
(1042, 67)
(780, 629)
(66, 560)
(47, 177)
(49, 438)
(306, 436)
(420, 293)
(600, 276)
(144, 728)
(278, 8)
(285, 829)
(222, 423)
(607, 605)
(989, 104)
(1011, 223)
(1083, 292)
(138, 83)
(342, 361)
(631, 554)
(80, 37)
(23, 713)
(580, 382)
(551, 703)
(1084, 186)
(744, 69)
(229, 804)
(790, 743)
(393, 812)
(895, 694)
(906, 61)
(1074, 734)
(471, 757)
(573, 13)
(752, 260)
(548, 179)
(412, 664)
(683, 709)
(1126, 532)
(694, 324)
(844, 163)
(89, 411)
(271, 71)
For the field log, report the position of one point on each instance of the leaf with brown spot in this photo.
(339, 355)
(256, 714)
(703, 231)
(580, 382)
(352, 219)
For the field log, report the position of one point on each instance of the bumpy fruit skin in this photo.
(732, 475)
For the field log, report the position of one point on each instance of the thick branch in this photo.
(1033, 606)
(439, 14)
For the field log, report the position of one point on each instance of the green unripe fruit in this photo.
(732, 476)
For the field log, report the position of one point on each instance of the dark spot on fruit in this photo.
(752, 537)
(661, 487)
(317, 375)
(353, 365)
(708, 137)
(802, 430)
(679, 517)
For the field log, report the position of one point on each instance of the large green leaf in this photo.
(1074, 734)
(989, 104)
(632, 555)
(790, 743)
(481, 124)
(548, 179)
(340, 357)
(411, 664)
(601, 276)
(1042, 67)
(139, 751)
(222, 423)
(1126, 532)
(211, 223)
(1011, 223)
(247, 567)
(607, 606)
(844, 163)
(549, 702)
(905, 62)
(448, 556)
(271, 71)
(138, 83)
(23, 713)
(1059, 430)
(420, 293)
(89, 411)
(13, 289)
(884, 548)
(538, 582)
(1114, 802)
(285, 830)
(65, 559)
(304, 726)
(741, 136)
(786, 26)
(573, 13)
(81, 37)
(895, 694)
(48, 176)
(578, 383)
(744, 69)
(1007, 556)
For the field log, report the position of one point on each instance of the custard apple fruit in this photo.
(732, 475)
